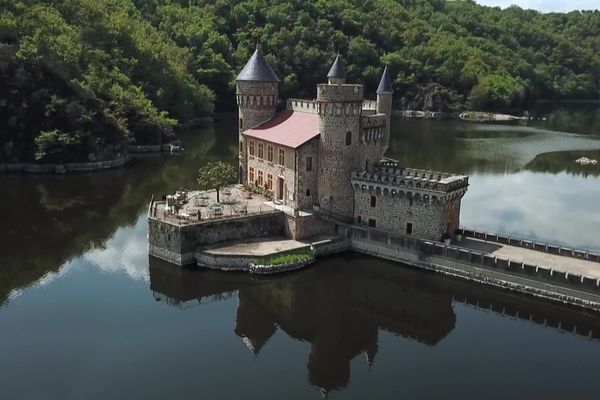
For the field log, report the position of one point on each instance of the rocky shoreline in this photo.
(89, 166)
(477, 116)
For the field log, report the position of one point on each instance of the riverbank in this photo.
(90, 166)
(32, 168)
(477, 116)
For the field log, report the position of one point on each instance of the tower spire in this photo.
(257, 69)
(337, 72)
(385, 84)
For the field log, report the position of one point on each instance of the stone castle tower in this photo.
(352, 137)
(256, 92)
(339, 106)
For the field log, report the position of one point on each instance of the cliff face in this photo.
(432, 97)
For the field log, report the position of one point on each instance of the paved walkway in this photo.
(257, 247)
(520, 254)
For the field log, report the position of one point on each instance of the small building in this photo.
(326, 156)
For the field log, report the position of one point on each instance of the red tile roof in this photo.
(288, 128)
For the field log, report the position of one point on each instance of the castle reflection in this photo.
(341, 304)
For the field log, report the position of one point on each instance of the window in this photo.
(270, 153)
(348, 138)
(409, 228)
(251, 176)
(359, 219)
(281, 156)
(373, 201)
(241, 148)
(269, 181)
(261, 151)
(308, 163)
(241, 123)
(261, 179)
(307, 192)
(251, 150)
(372, 223)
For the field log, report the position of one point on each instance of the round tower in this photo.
(256, 93)
(384, 103)
(339, 108)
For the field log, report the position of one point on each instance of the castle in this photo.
(325, 157)
(324, 187)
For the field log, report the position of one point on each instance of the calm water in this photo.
(85, 314)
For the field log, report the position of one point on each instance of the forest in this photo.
(81, 79)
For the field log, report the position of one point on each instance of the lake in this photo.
(84, 312)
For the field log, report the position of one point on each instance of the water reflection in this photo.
(466, 147)
(559, 208)
(49, 220)
(341, 305)
(562, 161)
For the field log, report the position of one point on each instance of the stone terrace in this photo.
(201, 206)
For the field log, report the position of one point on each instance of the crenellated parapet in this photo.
(303, 105)
(418, 185)
(339, 109)
(370, 105)
(373, 128)
(256, 102)
(340, 93)
(256, 95)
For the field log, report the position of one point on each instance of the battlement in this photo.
(340, 93)
(256, 88)
(302, 105)
(373, 120)
(388, 173)
(369, 105)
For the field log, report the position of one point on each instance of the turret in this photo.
(384, 102)
(256, 92)
(337, 72)
(339, 108)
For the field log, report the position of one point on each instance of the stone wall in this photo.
(302, 105)
(483, 268)
(177, 244)
(287, 171)
(534, 245)
(303, 227)
(393, 213)
(307, 180)
(225, 262)
(256, 101)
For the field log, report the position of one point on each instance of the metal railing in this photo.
(207, 215)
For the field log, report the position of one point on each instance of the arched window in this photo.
(373, 201)
(348, 138)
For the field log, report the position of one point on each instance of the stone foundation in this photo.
(178, 243)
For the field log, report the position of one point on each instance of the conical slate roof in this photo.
(337, 69)
(257, 69)
(385, 84)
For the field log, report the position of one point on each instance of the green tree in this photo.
(216, 175)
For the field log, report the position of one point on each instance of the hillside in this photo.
(81, 78)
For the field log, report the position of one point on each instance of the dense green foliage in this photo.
(80, 78)
(216, 175)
